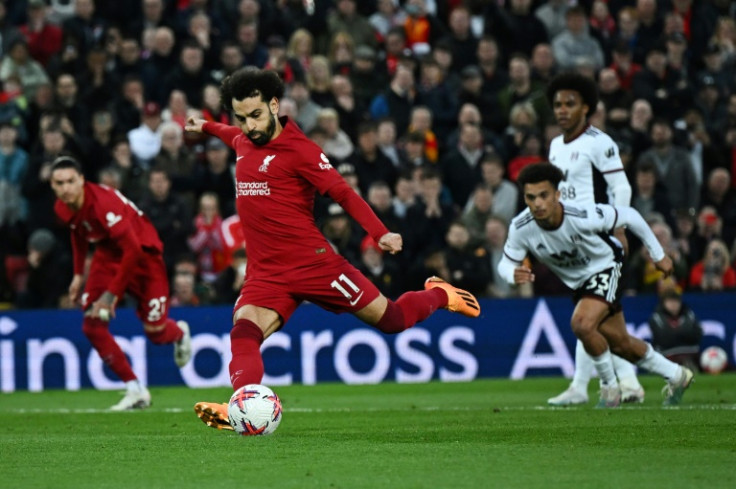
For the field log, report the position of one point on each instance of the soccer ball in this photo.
(254, 409)
(713, 360)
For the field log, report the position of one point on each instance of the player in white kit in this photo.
(576, 243)
(576, 151)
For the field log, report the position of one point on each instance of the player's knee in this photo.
(582, 326)
(156, 333)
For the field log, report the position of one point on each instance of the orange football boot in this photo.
(213, 414)
(458, 300)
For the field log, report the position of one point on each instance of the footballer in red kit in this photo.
(278, 170)
(127, 258)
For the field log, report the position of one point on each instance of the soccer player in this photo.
(289, 261)
(575, 242)
(127, 258)
(580, 148)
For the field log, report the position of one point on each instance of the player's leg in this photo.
(637, 351)
(577, 391)
(586, 318)
(150, 287)
(98, 333)
(631, 389)
(251, 325)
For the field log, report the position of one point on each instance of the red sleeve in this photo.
(79, 253)
(358, 209)
(223, 131)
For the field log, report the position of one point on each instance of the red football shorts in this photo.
(149, 285)
(333, 284)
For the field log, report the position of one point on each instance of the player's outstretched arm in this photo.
(630, 217)
(75, 287)
(195, 124)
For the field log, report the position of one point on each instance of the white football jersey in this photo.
(576, 159)
(579, 248)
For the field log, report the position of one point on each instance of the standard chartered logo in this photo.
(250, 189)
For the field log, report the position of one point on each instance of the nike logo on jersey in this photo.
(352, 303)
(266, 162)
(112, 219)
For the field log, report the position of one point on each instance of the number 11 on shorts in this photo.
(336, 284)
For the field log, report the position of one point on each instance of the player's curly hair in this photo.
(540, 172)
(251, 82)
(65, 161)
(585, 86)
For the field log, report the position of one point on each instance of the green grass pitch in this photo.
(483, 434)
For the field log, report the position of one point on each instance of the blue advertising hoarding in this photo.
(513, 338)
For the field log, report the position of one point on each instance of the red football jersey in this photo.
(115, 225)
(275, 187)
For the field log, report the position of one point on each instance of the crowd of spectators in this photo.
(428, 108)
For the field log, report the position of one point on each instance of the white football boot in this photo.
(674, 389)
(138, 398)
(183, 347)
(570, 397)
(610, 397)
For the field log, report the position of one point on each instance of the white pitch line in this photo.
(287, 409)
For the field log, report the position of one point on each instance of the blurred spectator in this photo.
(345, 18)
(337, 143)
(145, 140)
(99, 143)
(18, 62)
(319, 81)
(308, 109)
(616, 100)
(254, 52)
(676, 331)
(340, 53)
(227, 285)
(288, 68)
(178, 109)
(422, 28)
(212, 109)
(523, 120)
(397, 101)
(67, 101)
(134, 178)
(673, 165)
(505, 193)
(85, 26)
(13, 206)
(386, 140)
(189, 75)
(531, 150)
(379, 197)
(461, 39)
(207, 242)
(430, 218)
(460, 167)
(472, 93)
(468, 264)
(129, 104)
(160, 61)
(668, 91)
(496, 231)
(231, 59)
(421, 121)
(649, 26)
(494, 74)
(50, 269)
(718, 194)
(648, 194)
(685, 235)
(370, 163)
(301, 47)
(44, 38)
(543, 64)
(704, 153)
(199, 29)
(404, 195)
(388, 15)
(714, 271)
(522, 88)
(642, 277)
(351, 112)
(368, 77)
(153, 17)
(184, 290)
(516, 28)
(552, 15)
(384, 274)
(128, 61)
(476, 213)
(169, 214)
(438, 101)
(601, 22)
(342, 234)
(216, 176)
(575, 43)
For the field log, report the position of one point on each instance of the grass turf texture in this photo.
(483, 434)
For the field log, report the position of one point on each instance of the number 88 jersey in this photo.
(576, 159)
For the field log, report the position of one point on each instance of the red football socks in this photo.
(411, 308)
(246, 367)
(97, 332)
(169, 334)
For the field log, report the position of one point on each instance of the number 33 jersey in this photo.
(576, 159)
(579, 248)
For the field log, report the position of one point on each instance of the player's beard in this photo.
(259, 138)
